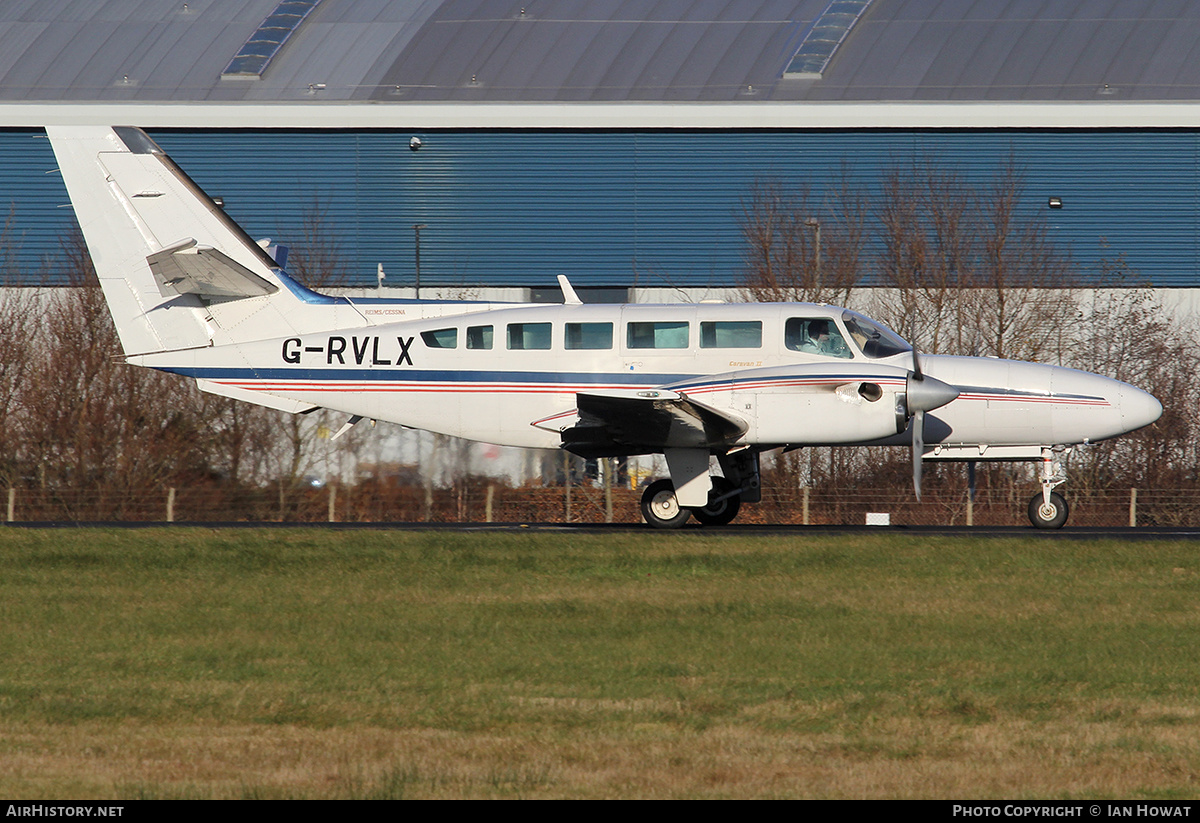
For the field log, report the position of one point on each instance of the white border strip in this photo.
(592, 116)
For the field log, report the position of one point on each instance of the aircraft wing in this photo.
(839, 402)
(622, 422)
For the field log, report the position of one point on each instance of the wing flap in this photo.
(645, 422)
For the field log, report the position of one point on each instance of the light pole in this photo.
(417, 252)
(815, 224)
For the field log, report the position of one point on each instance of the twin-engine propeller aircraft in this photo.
(191, 293)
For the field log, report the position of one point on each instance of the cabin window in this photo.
(658, 335)
(815, 335)
(589, 335)
(479, 337)
(528, 336)
(731, 334)
(441, 338)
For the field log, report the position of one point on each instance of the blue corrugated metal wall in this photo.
(622, 208)
(36, 208)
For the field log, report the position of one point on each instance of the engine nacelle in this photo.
(821, 403)
(847, 413)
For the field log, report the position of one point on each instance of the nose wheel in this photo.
(1048, 509)
(1048, 514)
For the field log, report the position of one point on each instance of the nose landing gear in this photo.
(1051, 514)
(1048, 509)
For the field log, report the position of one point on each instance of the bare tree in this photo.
(20, 323)
(927, 251)
(315, 257)
(795, 251)
(92, 422)
(1124, 333)
(1023, 285)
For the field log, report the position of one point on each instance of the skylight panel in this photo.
(823, 37)
(255, 55)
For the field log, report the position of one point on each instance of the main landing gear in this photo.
(1048, 509)
(661, 509)
(740, 484)
(724, 501)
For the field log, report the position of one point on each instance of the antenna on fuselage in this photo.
(570, 298)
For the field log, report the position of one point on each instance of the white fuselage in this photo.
(491, 372)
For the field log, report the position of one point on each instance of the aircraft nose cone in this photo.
(1138, 408)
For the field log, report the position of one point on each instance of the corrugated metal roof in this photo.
(606, 50)
(1017, 50)
(148, 50)
(602, 50)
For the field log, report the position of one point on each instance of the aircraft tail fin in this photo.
(177, 272)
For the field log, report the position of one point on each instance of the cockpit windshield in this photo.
(875, 339)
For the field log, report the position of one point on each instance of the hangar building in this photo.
(614, 141)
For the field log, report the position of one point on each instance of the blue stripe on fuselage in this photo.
(423, 375)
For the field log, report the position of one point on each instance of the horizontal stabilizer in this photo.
(647, 421)
(261, 398)
(186, 268)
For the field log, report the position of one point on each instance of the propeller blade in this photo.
(918, 449)
(922, 395)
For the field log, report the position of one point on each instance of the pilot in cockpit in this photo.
(817, 336)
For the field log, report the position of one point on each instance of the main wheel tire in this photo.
(661, 508)
(1048, 517)
(721, 512)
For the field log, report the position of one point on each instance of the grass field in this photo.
(289, 663)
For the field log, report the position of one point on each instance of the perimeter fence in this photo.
(583, 504)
